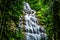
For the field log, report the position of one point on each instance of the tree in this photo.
(56, 9)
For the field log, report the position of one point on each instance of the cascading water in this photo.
(33, 30)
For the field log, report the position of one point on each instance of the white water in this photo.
(33, 30)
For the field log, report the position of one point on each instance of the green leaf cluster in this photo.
(10, 12)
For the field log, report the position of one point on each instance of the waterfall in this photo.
(33, 30)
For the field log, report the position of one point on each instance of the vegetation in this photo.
(10, 11)
(48, 12)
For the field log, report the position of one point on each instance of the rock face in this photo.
(33, 31)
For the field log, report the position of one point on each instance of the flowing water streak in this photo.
(33, 30)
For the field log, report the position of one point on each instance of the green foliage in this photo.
(46, 18)
(10, 11)
(44, 10)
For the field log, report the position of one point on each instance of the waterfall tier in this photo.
(33, 30)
